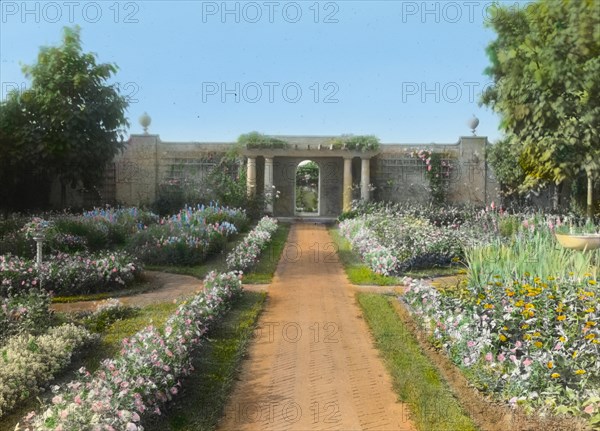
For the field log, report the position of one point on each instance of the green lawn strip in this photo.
(111, 339)
(263, 272)
(204, 394)
(356, 270)
(416, 380)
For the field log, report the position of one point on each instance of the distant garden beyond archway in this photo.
(307, 188)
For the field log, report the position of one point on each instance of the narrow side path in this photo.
(174, 286)
(312, 365)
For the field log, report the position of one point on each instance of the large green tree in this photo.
(69, 124)
(546, 71)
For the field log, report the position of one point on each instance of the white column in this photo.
(269, 183)
(251, 176)
(347, 201)
(365, 179)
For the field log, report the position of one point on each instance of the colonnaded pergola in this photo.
(275, 169)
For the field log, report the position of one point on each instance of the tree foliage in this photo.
(69, 124)
(545, 63)
(509, 174)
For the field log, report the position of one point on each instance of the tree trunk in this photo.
(555, 198)
(590, 196)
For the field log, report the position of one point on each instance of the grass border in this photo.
(415, 378)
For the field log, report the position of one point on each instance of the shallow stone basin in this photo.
(579, 242)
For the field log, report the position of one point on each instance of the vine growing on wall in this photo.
(437, 173)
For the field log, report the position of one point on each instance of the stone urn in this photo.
(590, 241)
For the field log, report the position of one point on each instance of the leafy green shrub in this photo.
(256, 140)
(108, 313)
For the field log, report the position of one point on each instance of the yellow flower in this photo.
(524, 326)
(592, 282)
(529, 306)
(562, 339)
(550, 365)
(590, 323)
(590, 336)
(580, 371)
(575, 353)
(587, 274)
(561, 317)
(550, 278)
(536, 334)
(555, 375)
(502, 337)
(519, 303)
(526, 274)
(538, 344)
(488, 306)
(590, 310)
(527, 336)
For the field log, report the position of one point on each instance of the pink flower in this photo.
(590, 409)
(489, 357)
(527, 362)
(501, 357)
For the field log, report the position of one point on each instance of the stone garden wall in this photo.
(148, 163)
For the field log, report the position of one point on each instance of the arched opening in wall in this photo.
(307, 189)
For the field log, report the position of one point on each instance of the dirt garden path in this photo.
(173, 286)
(312, 365)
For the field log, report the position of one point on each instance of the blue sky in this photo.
(407, 72)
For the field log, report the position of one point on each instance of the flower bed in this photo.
(188, 237)
(146, 373)
(393, 243)
(534, 342)
(246, 254)
(68, 274)
(378, 257)
(29, 362)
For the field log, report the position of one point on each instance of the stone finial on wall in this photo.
(145, 121)
(473, 123)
